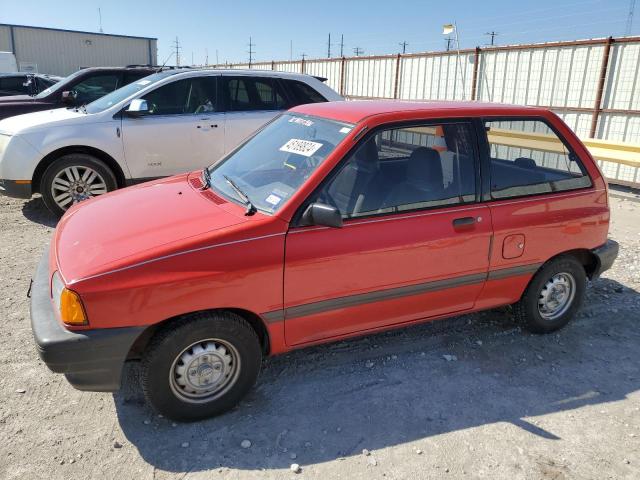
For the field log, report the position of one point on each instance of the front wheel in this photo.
(73, 178)
(201, 366)
(553, 296)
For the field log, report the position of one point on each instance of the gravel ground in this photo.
(469, 397)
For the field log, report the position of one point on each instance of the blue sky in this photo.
(375, 26)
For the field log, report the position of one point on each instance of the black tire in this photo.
(159, 381)
(527, 311)
(81, 160)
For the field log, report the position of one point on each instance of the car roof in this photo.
(354, 111)
(240, 71)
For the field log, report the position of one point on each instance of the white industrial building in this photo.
(62, 52)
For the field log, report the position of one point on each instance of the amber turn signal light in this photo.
(71, 308)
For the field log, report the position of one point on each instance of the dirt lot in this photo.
(509, 405)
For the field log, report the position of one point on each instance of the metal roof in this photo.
(75, 31)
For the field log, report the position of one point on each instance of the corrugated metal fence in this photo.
(594, 85)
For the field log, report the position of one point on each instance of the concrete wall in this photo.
(60, 52)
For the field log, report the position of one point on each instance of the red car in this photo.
(334, 220)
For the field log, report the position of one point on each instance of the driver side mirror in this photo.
(69, 97)
(137, 108)
(321, 214)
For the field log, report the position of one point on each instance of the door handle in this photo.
(464, 222)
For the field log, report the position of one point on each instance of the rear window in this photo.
(528, 158)
(302, 93)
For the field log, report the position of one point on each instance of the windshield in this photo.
(60, 85)
(272, 165)
(110, 99)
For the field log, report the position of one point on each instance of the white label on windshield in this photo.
(144, 82)
(301, 147)
(345, 130)
(273, 199)
(301, 121)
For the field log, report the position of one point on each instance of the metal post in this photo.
(273, 65)
(343, 65)
(396, 86)
(474, 81)
(603, 75)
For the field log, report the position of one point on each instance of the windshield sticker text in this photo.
(345, 130)
(301, 121)
(305, 148)
(273, 199)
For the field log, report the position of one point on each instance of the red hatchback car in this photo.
(334, 220)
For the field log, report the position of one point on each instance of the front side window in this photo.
(95, 87)
(528, 158)
(273, 164)
(401, 169)
(188, 96)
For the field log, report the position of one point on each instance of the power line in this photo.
(358, 51)
(403, 44)
(493, 35)
(632, 7)
(251, 51)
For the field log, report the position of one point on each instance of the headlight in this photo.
(67, 303)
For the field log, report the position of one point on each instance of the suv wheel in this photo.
(201, 367)
(73, 178)
(553, 296)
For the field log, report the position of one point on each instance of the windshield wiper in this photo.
(251, 208)
(206, 177)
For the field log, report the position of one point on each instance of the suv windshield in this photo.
(273, 164)
(110, 99)
(61, 85)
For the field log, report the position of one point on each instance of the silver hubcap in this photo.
(556, 296)
(204, 371)
(75, 184)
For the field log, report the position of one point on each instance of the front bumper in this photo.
(11, 188)
(90, 359)
(605, 255)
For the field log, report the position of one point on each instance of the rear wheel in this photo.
(73, 178)
(553, 296)
(202, 366)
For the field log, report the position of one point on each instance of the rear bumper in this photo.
(11, 188)
(605, 255)
(90, 359)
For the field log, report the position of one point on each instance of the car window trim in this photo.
(297, 216)
(483, 142)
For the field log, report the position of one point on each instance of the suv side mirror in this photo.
(69, 97)
(137, 108)
(321, 214)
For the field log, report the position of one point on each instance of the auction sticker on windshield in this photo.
(301, 147)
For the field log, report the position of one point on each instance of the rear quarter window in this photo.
(527, 157)
(302, 93)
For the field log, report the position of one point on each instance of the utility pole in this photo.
(251, 51)
(632, 7)
(448, 40)
(100, 20)
(358, 51)
(342, 45)
(404, 47)
(329, 47)
(493, 35)
(177, 47)
(303, 55)
(192, 62)
(291, 50)
(217, 62)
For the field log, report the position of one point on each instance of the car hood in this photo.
(29, 122)
(137, 224)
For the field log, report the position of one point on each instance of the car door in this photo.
(250, 103)
(414, 244)
(183, 130)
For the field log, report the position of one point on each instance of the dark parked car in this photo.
(77, 89)
(21, 83)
